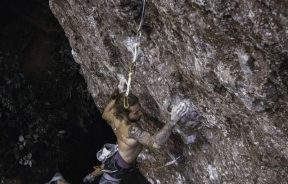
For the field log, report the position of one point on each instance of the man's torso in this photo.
(129, 148)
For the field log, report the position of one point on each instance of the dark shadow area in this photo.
(48, 120)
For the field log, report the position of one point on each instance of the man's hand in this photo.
(178, 112)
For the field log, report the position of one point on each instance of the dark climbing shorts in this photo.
(117, 168)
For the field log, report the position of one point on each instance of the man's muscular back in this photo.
(129, 148)
(131, 137)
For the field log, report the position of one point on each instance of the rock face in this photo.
(230, 59)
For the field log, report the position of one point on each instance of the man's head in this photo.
(133, 112)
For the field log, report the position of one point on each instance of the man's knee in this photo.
(108, 179)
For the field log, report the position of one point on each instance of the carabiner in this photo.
(126, 103)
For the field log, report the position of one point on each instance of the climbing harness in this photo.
(136, 48)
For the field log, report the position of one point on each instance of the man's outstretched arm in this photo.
(160, 137)
(145, 138)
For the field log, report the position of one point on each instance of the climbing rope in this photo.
(136, 49)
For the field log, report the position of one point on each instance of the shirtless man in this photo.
(130, 137)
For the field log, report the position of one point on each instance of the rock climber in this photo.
(130, 137)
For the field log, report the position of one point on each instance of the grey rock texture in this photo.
(229, 58)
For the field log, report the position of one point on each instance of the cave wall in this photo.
(229, 58)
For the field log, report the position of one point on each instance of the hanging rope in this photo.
(142, 15)
(136, 48)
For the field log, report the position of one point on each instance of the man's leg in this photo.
(117, 164)
(108, 179)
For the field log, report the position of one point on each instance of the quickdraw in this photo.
(136, 49)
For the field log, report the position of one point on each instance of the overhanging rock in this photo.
(229, 58)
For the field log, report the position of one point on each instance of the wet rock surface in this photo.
(228, 58)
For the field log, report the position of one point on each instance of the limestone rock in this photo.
(230, 58)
